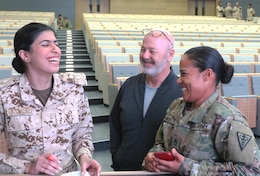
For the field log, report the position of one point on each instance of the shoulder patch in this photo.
(9, 81)
(243, 139)
(76, 78)
(240, 140)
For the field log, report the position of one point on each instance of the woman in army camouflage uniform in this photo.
(45, 116)
(203, 132)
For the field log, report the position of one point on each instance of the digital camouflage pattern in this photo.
(215, 139)
(62, 127)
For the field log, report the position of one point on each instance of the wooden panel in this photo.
(82, 6)
(210, 7)
(104, 6)
(163, 7)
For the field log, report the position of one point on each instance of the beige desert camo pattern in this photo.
(62, 127)
(215, 138)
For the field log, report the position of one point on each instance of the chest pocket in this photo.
(21, 119)
(23, 129)
(67, 116)
(196, 142)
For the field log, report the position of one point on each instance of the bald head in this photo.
(157, 32)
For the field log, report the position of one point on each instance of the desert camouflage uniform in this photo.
(250, 14)
(62, 127)
(214, 138)
(219, 11)
(237, 12)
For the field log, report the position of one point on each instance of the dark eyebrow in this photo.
(49, 41)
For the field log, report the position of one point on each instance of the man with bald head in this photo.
(142, 101)
(237, 11)
(228, 10)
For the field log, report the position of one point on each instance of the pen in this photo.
(50, 158)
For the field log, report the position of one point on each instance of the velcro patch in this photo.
(243, 140)
(240, 144)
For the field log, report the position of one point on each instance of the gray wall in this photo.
(63, 7)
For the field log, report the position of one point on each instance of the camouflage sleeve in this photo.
(158, 140)
(12, 165)
(161, 143)
(82, 140)
(9, 164)
(235, 143)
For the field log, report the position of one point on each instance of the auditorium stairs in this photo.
(75, 58)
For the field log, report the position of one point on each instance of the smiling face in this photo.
(196, 86)
(155, 55)
(44, 55)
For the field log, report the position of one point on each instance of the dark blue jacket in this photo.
(131, 134)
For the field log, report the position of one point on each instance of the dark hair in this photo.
(204, 57)
(23, 40)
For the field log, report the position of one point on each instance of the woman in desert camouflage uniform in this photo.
(45, 116)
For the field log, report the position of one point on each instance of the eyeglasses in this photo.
(157, 33)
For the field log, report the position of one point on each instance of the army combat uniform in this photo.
(214, 138)
(61, 127)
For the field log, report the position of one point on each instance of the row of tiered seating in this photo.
(10, 22)
(114, 43)
(108, 54)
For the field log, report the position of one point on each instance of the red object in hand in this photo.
(50, 158)
(164, 155)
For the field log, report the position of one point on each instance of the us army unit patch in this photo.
(243, 140)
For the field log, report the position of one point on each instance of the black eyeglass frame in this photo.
(147, 31)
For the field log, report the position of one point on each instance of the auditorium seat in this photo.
(5, 72)
(231, 44)
(98, 57)
(225, 50)
(123, 70)
(226, 57)
(243, 67)
(104, 76)
(135, 57)
(212, 44)
(7, 49)
(244, 57)
(239, 85)
(93, 49)
(175, 67)
(257, 67)
(129, 43)
(113, 90)
(6, 59)
(256, 91)
(131, 49)
(248, 50)
(114, 58)
(250, 45)
(5, 43)
(117, 70)
(237, 92)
